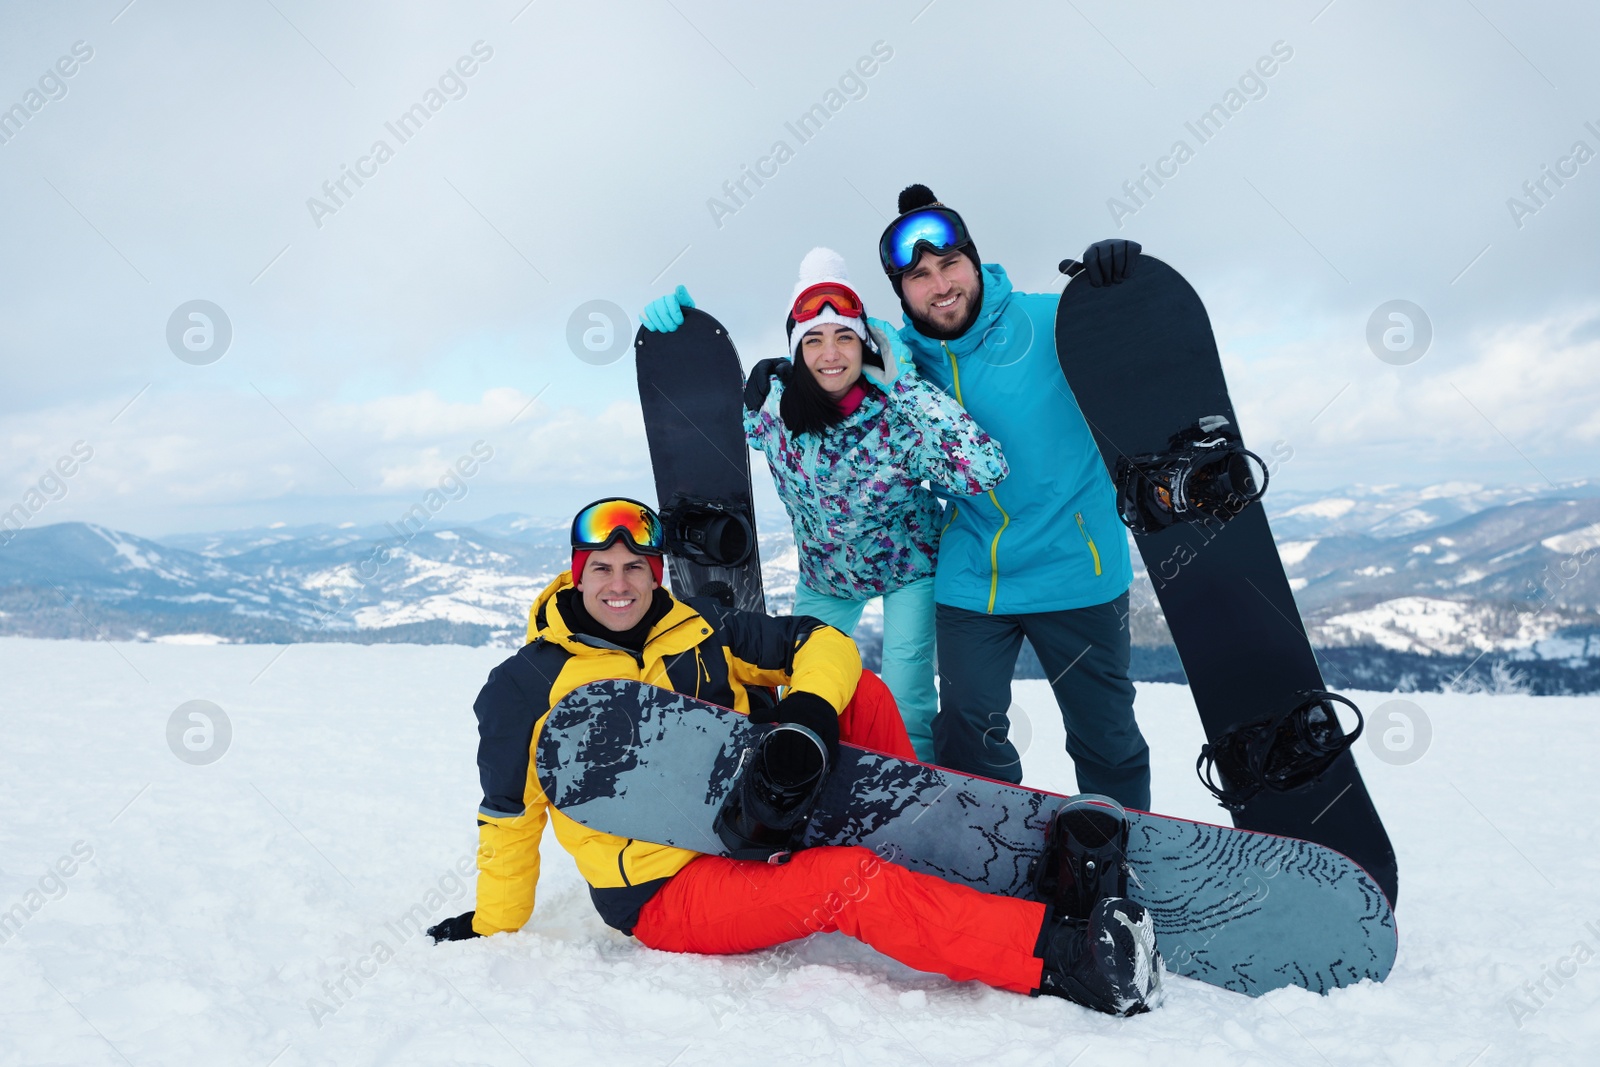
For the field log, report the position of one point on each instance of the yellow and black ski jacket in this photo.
(698, 648)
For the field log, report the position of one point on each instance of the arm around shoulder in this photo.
(947, 446)
(762, 392)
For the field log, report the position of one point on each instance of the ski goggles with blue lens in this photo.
(936, 229)
(603, 523)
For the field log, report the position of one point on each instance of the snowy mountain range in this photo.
(1446, 586)
(1451, 586)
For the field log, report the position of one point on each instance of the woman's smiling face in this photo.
(833, 355)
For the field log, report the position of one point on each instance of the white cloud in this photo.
(425, 416)
(159, 467)
(1484, 401)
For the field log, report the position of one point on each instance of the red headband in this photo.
(580, 560)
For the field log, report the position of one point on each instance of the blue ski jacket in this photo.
(1047, 538)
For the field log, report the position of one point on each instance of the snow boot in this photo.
(1085, 855)
(765, 814)
(1107, 962)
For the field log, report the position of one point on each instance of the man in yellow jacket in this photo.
(609, 617)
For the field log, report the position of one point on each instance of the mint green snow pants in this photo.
(907, 648)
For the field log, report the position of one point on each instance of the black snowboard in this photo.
(691, 388)
(1143, 366)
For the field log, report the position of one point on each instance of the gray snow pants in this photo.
(1084, 652)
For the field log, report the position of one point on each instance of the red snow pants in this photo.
(719, 906)
(872, 719)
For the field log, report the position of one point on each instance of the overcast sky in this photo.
(379, 331)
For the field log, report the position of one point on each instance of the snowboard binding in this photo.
(779, 780)
(1085, 855)
(721, 592)
(712, 535)
(1278, 755)
(1205, 474)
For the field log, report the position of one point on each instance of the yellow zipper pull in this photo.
(1090, 542)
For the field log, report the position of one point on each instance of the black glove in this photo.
(1106, 262)
(760, 383)
(810, 711)
(458, 928)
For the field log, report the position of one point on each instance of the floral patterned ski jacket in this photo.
(864, 523)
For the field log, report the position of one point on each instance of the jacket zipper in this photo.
(702, 669)
(994, 546)
(639, 657)
(1095, 552)
(620, 868)
(955, 509)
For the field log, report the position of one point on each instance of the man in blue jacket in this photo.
(1043, 556)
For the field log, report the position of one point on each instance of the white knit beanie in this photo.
(822, 265)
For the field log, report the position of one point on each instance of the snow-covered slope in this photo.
(261, 909)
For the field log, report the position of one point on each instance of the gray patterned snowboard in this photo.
(1246, 911)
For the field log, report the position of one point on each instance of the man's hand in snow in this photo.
(458, 928)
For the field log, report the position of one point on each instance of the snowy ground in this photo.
(216, 900)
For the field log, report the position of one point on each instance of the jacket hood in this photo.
(996, 295)
(543, 618)
(890, 349)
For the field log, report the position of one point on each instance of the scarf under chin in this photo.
(570, 603)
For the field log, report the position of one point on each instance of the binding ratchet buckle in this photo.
(710, 534)
(1277, 755)
(1205, 475)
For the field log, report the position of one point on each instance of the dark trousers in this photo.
(1084, 652)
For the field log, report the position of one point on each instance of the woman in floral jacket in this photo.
(851, 433)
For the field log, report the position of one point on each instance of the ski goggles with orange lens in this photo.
(605, 522)
(809, 304)
(936, 229)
